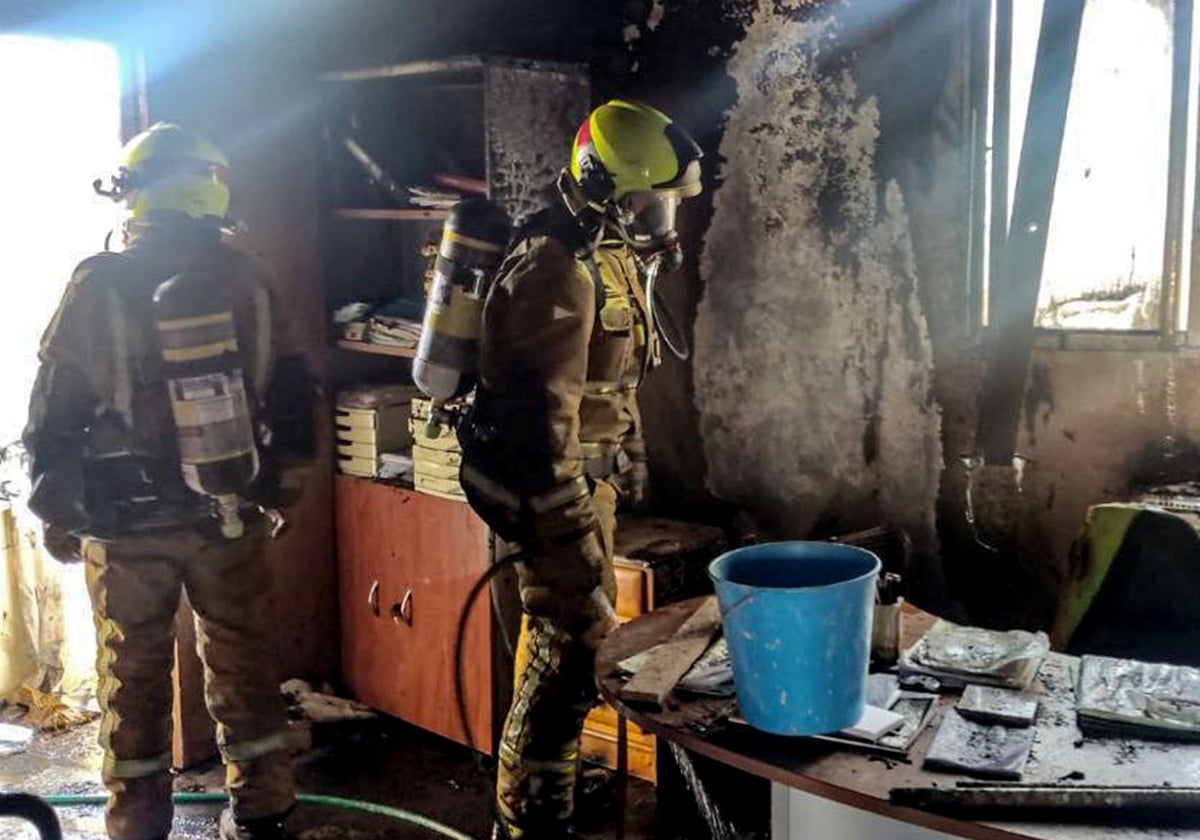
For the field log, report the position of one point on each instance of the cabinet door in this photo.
(366, 556)
(407, 563)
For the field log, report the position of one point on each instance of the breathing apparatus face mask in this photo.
(648, 223)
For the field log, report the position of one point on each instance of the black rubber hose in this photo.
(31, 809)
(459, 637)
(484, 581)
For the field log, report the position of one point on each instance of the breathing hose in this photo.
(661, 318)
(69, 800)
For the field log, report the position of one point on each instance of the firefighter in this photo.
(107, 483)
(553, 432)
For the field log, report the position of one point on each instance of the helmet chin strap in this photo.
(589, 217)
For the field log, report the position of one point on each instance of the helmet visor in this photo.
(650, 218)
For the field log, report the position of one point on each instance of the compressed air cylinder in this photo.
(202, 365)
(474, 239)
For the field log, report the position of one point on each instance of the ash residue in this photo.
(813, 364)
(1125, 753)
(524, 144)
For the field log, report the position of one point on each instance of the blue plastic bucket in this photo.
(797, 616)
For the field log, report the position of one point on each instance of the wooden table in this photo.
(857, 784)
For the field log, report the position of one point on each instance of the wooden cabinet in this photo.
(406, 562)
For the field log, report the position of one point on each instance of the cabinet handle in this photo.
(373, 599)
(403, 610)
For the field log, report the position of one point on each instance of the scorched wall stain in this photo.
(813, 364)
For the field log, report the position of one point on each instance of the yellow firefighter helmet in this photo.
(168, 168)
(634, 164)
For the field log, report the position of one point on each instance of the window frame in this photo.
(990, 230)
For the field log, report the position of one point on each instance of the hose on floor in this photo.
(70, 800)
(75, 800)
(32, 809)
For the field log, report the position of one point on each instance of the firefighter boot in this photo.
(261, 828)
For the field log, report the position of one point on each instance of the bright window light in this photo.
(1107, 230)
(1104, 251)
(60, 105)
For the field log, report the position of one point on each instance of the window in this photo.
(61, 111)
(1112, 235)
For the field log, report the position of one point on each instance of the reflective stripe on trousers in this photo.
(553, 689)
(135, 584)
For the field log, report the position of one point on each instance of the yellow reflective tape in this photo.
(491, 489)
(134, 768)
(602, 388)
(257, 748)
(203, 351)
(543, 765)
(574, 489)
(471, 242)
(462, 318)
(197, 321)
(512, 758)
(212, 459)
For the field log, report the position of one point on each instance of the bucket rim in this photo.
(875, 570)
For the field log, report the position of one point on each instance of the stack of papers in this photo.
(396, 465)
(956, 656)
(1123, 697)
(914, 711)
(394, 332)
(873, 725)
(396, 323)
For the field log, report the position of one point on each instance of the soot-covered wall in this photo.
(813, 364)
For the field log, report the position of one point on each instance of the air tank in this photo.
(202, 365)
(474, 239)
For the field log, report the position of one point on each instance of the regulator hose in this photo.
(69, 800)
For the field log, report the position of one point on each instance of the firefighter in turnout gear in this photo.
(552, 439)
(105, 456)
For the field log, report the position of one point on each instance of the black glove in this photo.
(63, 546)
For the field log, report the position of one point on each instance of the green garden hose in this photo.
(68, 800)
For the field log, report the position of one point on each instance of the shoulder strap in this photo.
(597, 281)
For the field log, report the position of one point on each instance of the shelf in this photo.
(411, 68)
(389, 215)
(376, 349)
(455, 68)
(398, 483)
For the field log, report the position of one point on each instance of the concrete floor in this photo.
(381, 761)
